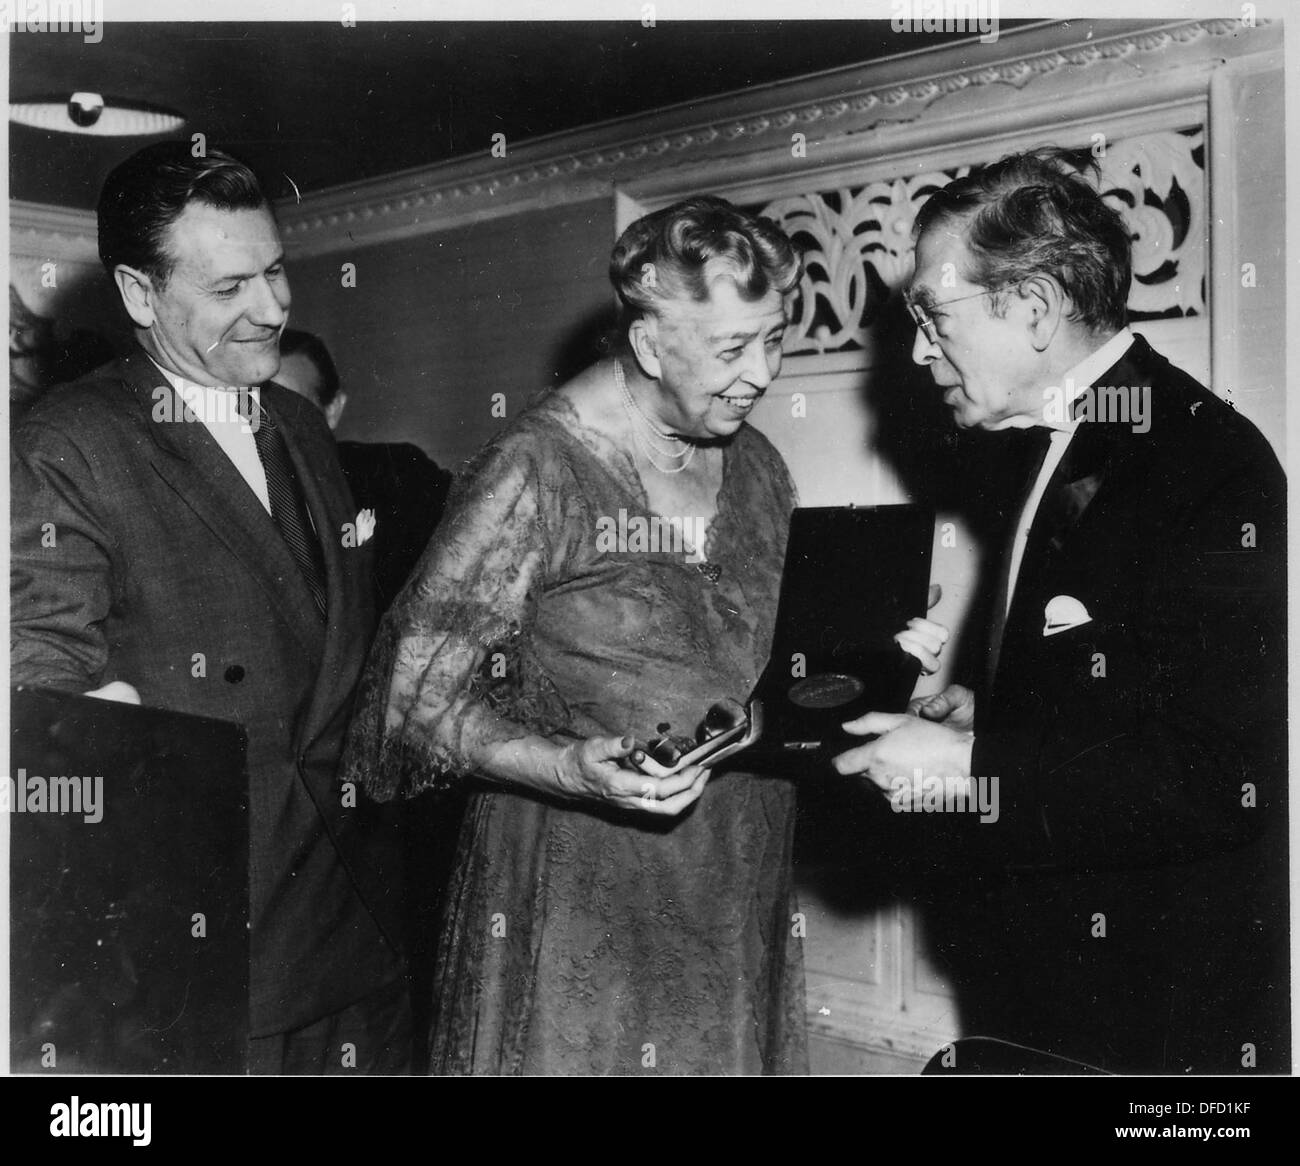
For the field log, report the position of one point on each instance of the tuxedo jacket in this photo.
(140, 554)
(1128, 906)
(408, 493)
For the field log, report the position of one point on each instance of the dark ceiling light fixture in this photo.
(92, 113)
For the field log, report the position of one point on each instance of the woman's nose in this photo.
(758, 372)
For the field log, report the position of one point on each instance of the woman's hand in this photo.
(590, 770)
(923, 638)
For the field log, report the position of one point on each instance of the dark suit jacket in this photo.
(165, 571)
(408, 493)
(1126, 749)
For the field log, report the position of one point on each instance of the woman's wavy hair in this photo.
(675, 253)
(1035, 214)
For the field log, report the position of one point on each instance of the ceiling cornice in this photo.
(584, 164)
(40, 231)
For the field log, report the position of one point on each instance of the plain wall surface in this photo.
(438, 324)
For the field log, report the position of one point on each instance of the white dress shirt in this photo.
(1075, 383)
(216, 409)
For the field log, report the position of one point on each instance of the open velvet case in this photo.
(853, 576)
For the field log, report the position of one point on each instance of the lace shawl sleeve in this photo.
(451, 669)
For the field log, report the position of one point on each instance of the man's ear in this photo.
(1046, 307)
(136, 290)
(334, 410)
(643, 335)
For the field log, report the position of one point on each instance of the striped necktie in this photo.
(288, 505)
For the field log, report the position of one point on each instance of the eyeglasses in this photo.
(925, 324)
(723, 718)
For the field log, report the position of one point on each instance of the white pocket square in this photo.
(365, 526)
(1062, 613)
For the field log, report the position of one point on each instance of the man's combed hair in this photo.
(1036, 214)
(675, 253)
(144, 195)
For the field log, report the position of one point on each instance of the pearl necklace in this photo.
(641, 423)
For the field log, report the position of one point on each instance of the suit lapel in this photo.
(191, 462)
(348, 616)
(1071, 489)
(1088, 460)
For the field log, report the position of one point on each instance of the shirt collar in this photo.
(1056, 412)
(198, 397)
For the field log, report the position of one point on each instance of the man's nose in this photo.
(923, 351)
(271, 307)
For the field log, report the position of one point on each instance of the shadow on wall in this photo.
(591, 339)
(969, 476)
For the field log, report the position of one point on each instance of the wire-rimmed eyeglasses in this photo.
(925, 324)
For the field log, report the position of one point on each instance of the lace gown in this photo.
(578, 941)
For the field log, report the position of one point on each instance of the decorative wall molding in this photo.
(858, 247)
(750, 129)
(37, 231)
(659, 147)
(1158, 185)
(858, 254)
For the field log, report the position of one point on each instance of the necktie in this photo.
(288, 506)
(1038, 441)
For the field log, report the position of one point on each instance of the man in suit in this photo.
(404, 487)
(183, 536)
(1125, 906)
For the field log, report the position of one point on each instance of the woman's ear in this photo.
(643, 336)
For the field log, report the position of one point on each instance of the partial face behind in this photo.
(218, 318)
(299, 373)
(986, 365)
(715, 359)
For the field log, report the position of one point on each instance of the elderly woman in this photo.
(602, 919)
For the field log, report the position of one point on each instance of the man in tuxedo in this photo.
(1126, 905)
(183, 537)
(407, 492)
(405, 489)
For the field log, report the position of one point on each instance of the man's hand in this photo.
(908, 752)
(117, 690)
(954, 707)
(923, 638)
